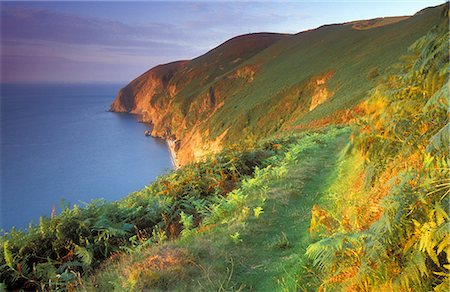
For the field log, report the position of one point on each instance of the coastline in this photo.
(170, 142)
(173, 154)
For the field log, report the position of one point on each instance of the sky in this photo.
(115, 41)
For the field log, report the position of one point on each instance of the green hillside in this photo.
(349, 54)
(268, 83)
(324, 167)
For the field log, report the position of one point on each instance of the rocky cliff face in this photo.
(154, 94)
(150, 96)
(258, 85)
(136, 95)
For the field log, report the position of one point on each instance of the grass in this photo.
(64, 247)
(262, 251)
(271, 254)
(351, 53)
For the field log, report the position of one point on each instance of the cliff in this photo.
(156, 97)
(258, 85)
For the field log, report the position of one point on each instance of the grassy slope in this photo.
(351, 53)
(367, 237)
(274, 91)
(222, 60)
(268, 253)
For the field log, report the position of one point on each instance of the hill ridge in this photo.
(267, 83)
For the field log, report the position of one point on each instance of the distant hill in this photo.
(264, 84)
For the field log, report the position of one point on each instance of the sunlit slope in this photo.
(361, 207)
(185, 78)
(261, 84)
(294, 68)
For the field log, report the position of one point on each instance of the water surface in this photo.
(58, 141)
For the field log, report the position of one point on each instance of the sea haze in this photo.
(59, 141)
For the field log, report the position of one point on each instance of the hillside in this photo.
(260, 84)
(336, 179)
(184, 93)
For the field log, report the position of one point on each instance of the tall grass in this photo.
(387, 224)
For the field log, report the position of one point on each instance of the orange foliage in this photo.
(346, 274)
(167, 258)
(319, 218)
(341, 117)
(205, 228)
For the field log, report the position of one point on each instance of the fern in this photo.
(440, 142)
(187, 221)
(258, 211)
(412, 274)
(405, 136)
(84, 254)
(9, 260)
(325, 253)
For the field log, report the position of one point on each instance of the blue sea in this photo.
(59, 142)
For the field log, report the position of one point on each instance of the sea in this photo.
(60, 146)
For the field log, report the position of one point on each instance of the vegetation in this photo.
(390, 229)
(252, 239)
(77, 240)
(357, 207)
(269, 84)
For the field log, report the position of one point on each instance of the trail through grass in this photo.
(262, 253)
(269, 253)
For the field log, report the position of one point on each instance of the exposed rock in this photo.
(154, 94)
(321, 92)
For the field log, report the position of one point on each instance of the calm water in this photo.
(59, 142)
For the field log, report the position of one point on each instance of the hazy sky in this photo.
(111, 41)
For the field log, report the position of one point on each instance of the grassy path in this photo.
(271, 254)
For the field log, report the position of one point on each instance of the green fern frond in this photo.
(9, 258)
(84, 254)
(440, 142)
